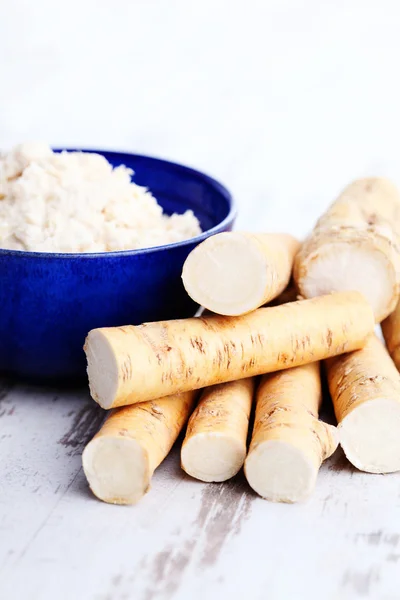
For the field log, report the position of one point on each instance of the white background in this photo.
(285, 102)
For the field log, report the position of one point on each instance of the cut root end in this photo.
(340, 267)
(212, 457)
(102, 368)
(369, 436)
(280, 472)
(226, 274)
(116, 469)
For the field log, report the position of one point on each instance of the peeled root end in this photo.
(212, 457)
(226, 274)
(370, 438)
(102, 368)
(280, 472)
(340, 267)
(116, 469)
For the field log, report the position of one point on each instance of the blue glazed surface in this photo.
(50, 301)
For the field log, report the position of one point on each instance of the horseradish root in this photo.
(214, 448)
(235, 273)
(137, 363)
(289, 443)
(365, 389)
(120, 460)
(391, 333)
(355, 246)
(290, 294)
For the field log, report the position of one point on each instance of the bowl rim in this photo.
(214, 183)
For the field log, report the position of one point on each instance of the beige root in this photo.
(120, 460)
(134, 364)
(365, 389)
(214, 448)
(391, 333)
(235, 273)
(290, 294)
(355, 246)
(216, 439)
(289, 443)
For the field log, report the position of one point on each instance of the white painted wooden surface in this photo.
(285, 102)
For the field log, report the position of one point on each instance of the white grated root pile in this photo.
(77, 202)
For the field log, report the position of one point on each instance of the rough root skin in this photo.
(391, 333)
(120, 460)
(365, 389)
(160, 359)
(362, 225)
(289, 443)
(214, 448)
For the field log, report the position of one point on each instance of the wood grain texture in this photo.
(285, 103)
(185, 539)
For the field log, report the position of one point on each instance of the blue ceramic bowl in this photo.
(49, 302)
